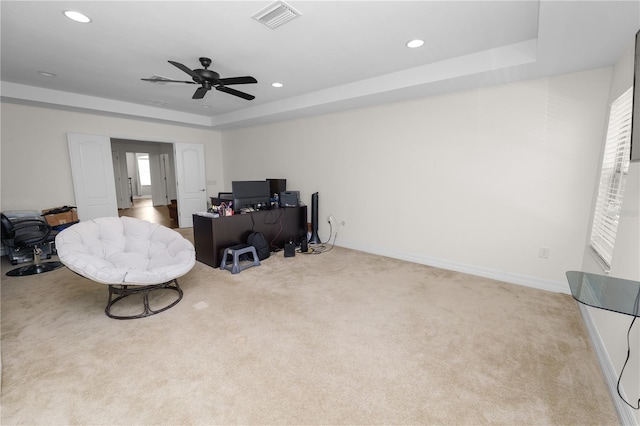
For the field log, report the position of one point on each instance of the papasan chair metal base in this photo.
(122, 291)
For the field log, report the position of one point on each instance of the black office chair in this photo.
(27, 233)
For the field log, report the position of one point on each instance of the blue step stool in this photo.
(236, 252)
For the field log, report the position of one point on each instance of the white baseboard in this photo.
(627, 417)
(525, 280)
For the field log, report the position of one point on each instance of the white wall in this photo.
(611, 328)
(475, 181)
(36, 172)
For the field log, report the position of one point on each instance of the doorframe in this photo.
(173, 149)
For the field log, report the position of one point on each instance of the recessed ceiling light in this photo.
(77, 16)
(415, 43)
(276, 84)
(46, 74)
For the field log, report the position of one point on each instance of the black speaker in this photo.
(304, 245)
(314, 220)
(289, 249)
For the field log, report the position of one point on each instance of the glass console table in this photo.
(604, 292)
(612, 294)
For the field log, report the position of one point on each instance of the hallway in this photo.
(143, 209)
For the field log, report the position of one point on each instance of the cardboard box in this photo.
(60, 215)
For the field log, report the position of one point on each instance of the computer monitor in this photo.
(276, 186)
(225, 196)
(250, 194)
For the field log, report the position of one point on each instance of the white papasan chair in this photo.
(130, 255)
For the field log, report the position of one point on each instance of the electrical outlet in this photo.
(332, 219)
(544, 252)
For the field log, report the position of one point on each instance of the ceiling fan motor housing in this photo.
(209, 75)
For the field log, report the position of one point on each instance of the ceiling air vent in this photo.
(276, 14)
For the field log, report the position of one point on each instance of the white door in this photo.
(92, 172)
(158, 180)
(167, 172)
(122, 183)
(191, 182)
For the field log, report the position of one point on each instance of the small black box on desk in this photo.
(289, 198)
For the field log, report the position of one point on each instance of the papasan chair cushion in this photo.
(123, 252)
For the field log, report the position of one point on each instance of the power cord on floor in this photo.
(319, 248)
(636, 305)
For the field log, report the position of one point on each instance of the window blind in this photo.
(615, 166)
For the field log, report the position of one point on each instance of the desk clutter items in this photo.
(61, 217)
(221, 210)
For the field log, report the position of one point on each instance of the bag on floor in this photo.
(260, 243)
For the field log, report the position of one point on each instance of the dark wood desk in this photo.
(212, 235)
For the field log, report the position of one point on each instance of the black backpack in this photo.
(258, 240)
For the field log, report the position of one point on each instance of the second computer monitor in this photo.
(276, 186)
(250, 194)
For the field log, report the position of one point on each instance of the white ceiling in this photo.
(337, 55)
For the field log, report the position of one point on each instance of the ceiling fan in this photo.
(207, 79)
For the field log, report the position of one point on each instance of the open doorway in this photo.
(145, 181)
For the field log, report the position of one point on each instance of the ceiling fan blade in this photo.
(235, 92)
(187, 70)
(199, 94)
(166, 80)
(237, 80)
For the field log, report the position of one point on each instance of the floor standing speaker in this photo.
(314, 220)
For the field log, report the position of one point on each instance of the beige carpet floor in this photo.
(343, 337)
